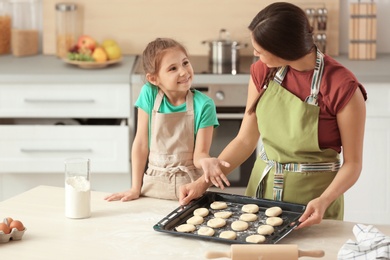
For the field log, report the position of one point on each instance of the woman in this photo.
(306, 108)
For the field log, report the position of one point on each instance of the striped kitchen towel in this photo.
(370, 244)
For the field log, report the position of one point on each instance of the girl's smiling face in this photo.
(175, 73)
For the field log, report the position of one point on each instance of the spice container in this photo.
(67, 29)
(5, 27)
(25, 27)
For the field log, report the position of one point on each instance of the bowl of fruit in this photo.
(88, 54)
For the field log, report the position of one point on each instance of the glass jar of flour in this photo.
(25, 27)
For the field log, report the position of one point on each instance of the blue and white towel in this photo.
(370, 244)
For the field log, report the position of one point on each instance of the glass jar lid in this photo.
(66, 7)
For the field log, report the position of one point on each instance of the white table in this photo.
(124, 230)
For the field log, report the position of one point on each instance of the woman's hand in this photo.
(123, 196)
(212, 171)
(314, 213)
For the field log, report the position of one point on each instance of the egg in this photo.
(8, 220)
(4, 227)
(16, 224)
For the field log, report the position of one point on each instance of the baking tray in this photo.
(290, 215)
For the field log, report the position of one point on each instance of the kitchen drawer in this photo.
(378, 102)
(65, 100)
(42, 149)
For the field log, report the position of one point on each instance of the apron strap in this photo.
(316, 80)
(189, 101)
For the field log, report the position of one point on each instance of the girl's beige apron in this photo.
(291, 166)
(171, 152)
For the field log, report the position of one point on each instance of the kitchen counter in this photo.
(118, 230)
(49, 69)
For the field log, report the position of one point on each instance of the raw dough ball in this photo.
(265, 230)
(239, 225)
(223, 214)
(273, 212)
(228, 234)
(255, 239)
(248, 217)
(218, 205)
(250, 208)
(195, 220)
(203, 212)
(216, 222)
(185, 228)
(206, 231)
(274, 221)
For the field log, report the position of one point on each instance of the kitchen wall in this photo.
(134, 23)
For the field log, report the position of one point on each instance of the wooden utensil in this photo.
(264, 252)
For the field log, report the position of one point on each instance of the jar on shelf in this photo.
(25, 27)
(5, 27)
(67, 28)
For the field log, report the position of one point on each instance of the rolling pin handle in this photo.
(311, 253)
(213, 254)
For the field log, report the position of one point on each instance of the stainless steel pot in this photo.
(224, 54)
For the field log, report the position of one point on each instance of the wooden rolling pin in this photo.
(264, 252)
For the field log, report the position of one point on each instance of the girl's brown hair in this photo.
(153, 53)
(283, 30)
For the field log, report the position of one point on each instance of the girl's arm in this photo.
(139, 155)
(351, 122)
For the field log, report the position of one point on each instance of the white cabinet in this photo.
(32, 150)
(368, 201)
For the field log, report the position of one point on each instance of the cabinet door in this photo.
(42, 149)
(65, 100)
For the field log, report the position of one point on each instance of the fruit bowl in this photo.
(91, 64)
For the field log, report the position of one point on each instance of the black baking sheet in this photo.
(290, 215)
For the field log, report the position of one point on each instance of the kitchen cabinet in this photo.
(57, 111)
(369, 199)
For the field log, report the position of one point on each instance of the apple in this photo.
(112, 49)
(86, 44)
(99, 55)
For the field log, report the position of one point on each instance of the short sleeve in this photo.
(146, 98)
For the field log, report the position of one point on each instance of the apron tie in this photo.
(172, 171)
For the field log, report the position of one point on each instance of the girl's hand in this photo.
(212, 171)
(123, 196)
(313, 214)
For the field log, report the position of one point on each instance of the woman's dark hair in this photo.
(283, 30)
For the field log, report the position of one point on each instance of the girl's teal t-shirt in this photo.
(205, 113)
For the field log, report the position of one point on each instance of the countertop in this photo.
(124, 230)
(50, 69)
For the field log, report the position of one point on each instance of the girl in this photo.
(174, 128)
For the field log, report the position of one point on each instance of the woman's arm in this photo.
(351, 121)
(139, 155)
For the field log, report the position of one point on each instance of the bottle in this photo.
(5, 27)
(67, 29)
(25, 27)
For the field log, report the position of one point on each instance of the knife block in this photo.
(362, 31)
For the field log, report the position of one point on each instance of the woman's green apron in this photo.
(291, 167)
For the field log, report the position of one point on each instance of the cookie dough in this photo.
(250, 208)
(248, 217)
(218, 205)
(239, 225)
(228, 234)
(273, 211)
(274, 221)
(265, 230)
(216, 222)
(203, 212)
(186, 228)
(195, 220)
(257, 239)
(206, 231)
(223, 214)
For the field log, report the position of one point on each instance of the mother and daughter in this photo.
(305, 107)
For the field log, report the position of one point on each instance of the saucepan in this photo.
(224, 54)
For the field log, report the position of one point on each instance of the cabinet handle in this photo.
(41, 150)
(230, 116)
(37, 100)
